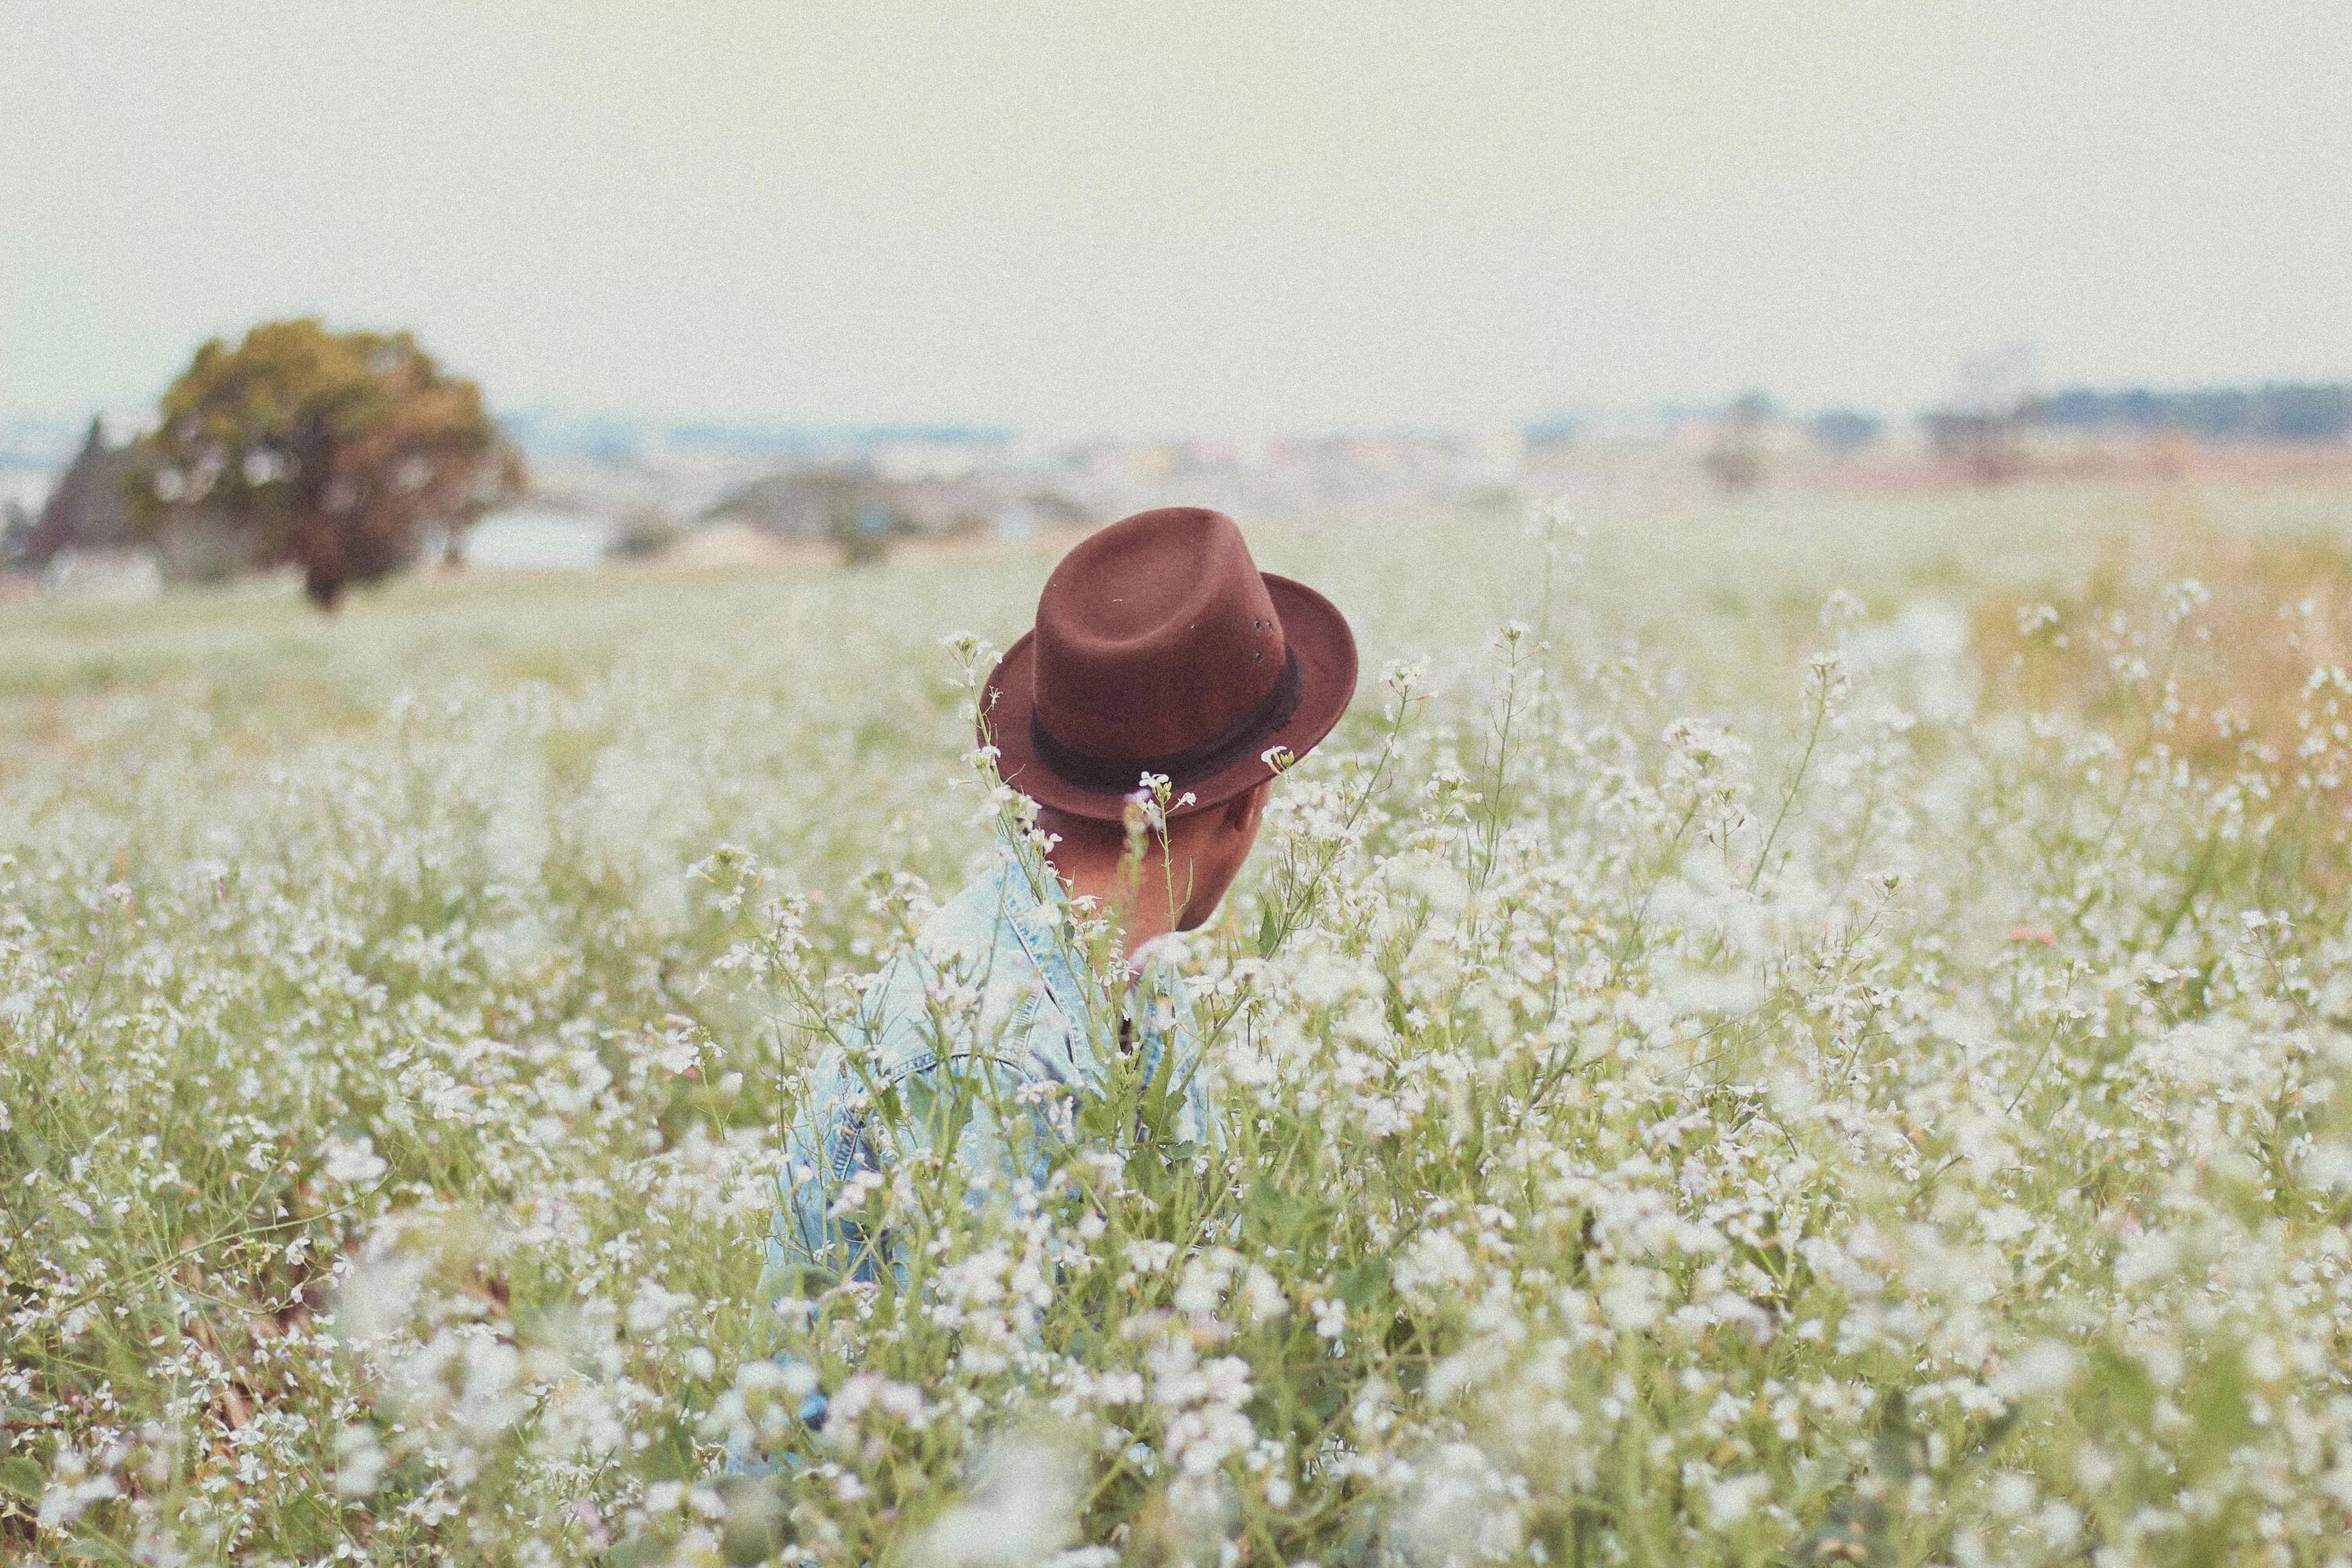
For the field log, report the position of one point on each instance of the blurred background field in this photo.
(1729, 587)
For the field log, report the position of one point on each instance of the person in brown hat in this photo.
(1162, 655)
(1165, 675)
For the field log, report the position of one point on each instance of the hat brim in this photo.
(1317, 635)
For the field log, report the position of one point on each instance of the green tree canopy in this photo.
(338, 452)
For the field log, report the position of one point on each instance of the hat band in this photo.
(1243, 739)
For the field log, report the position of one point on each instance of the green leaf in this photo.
(672, 1456)
(23, 1477)
(1271, 1206)
(1366, 1280)
(638, 1551)
(1898, 1449)
(754, 1531)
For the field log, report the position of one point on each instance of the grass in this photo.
(1726, 1074)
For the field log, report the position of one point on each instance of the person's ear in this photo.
(1242, 811)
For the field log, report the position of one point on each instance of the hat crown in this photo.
(1155, 635)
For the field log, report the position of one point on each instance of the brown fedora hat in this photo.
(1162, 648)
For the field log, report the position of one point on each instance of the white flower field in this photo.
(1809, 1031)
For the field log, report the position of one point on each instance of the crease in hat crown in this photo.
(1154, 635)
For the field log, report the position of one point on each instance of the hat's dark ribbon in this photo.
(1245, 737)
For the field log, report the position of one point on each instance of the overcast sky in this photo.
(1180, 216)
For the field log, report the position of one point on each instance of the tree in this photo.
(336, 452)
(1979, 429)
(1736, 459)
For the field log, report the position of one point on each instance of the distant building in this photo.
(2288, 414)
(1842, 432)
(818, 504)
(538, 539)
(104, 577)
(15, 531)
(844, 503)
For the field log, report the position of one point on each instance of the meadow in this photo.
(1804, 1030)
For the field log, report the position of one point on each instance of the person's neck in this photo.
(1137, 903)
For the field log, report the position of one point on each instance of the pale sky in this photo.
(1180, 216)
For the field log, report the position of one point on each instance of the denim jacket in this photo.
(993, 996)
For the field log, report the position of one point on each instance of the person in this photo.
(1165, 683)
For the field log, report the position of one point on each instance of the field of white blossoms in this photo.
(1807, 1032)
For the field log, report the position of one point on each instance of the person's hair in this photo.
(1081, 832)
(1090, 834)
